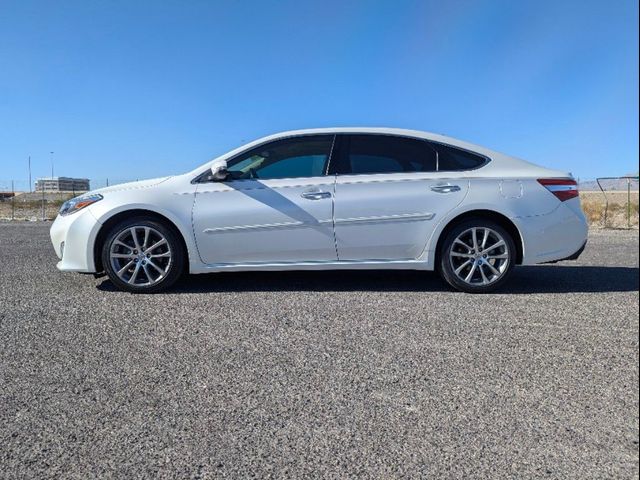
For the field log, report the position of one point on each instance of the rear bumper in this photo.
(577, 254)
(559, 235)
(573, 256)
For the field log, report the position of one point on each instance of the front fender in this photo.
(179, 214)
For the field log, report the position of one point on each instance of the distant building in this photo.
(62, 184)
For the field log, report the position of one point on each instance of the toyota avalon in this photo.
(329, 199)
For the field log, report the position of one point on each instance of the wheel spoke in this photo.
(474, 236)
(132, 279)
(120, 255)
(463, 255)
(124, 269)
(146, 237)
(161, 255)
(485, 280)
(485, 237)
(155, 245)
(493, 269)
(470, 274)
(499, 243)
(134, 235)
(461, 267)
(155, 266)
(457, 240)
(146, 272)
(122, 244)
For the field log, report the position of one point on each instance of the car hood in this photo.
(131, 185)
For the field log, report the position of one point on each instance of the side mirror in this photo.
(219, 170)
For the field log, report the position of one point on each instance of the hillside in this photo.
(613, 184)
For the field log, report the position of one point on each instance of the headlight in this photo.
(78, 203)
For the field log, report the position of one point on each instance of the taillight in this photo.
(563, 188)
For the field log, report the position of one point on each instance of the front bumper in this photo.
(73, 237)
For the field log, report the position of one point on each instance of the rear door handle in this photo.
(315, 195)
(445, 188)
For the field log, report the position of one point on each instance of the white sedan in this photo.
(329, 199)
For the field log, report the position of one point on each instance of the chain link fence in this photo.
(611, 202)
(21, 201)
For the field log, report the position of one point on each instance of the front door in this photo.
(275, 207)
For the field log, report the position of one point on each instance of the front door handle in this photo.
(445, 188)
(315, 195)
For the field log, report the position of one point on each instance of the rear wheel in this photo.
(142, 255)
(477, 256)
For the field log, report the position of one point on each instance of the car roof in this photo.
(380, 131)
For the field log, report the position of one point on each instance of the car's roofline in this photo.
(380, 131)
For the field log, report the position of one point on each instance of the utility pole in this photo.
(51, 165)
(30, 174)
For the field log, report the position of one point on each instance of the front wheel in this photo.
(477, 256)
(141, 255)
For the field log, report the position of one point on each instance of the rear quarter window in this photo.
(454, 159)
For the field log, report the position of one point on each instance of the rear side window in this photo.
(388, 154)
(454, 159)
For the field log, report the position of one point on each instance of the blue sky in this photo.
(137, 89)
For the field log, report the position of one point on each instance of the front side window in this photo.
(287, 158)
(389, 154)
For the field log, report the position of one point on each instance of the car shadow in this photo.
(534, 279)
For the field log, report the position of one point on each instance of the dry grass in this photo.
(594, 207)
(20, 209)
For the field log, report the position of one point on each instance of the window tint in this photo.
(452, 159)
(288, 158)
(389, 154)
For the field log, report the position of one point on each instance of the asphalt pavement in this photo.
(319, 374)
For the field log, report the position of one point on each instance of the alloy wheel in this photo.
(140, 255)
(479, 256)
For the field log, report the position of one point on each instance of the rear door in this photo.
(389, 196)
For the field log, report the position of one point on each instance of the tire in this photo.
(149, 263)
(482, 268)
